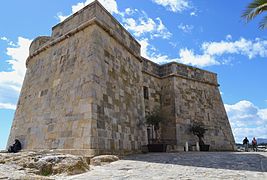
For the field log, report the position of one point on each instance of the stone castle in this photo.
(87, 90)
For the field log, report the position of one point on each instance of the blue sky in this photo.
(207, 34)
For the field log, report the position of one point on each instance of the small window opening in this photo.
(146, 92)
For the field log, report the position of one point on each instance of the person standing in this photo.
(245, 143)
(254, 144)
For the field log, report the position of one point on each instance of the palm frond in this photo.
(254, 8)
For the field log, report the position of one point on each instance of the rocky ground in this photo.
(183, 165)
(46, 165)
(40, 165)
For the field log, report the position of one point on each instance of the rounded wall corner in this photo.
(38, 42)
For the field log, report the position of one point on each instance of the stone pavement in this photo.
(183, 165)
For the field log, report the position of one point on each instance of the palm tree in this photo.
(198, 130)
(255, 8)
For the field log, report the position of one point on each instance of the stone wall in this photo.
(81, 92)
(199, 102)
(56, 101)
(119, 100)
(187, 95)
(159, 97)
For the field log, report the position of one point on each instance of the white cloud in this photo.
(212, 53)
(249, 48)
(186, 28)
(263, 114)
(215, 53)
(4, 38)
(161, 30)
(129, 11)
(149, 52)
(7, 106)
(193, 14)
(174, 5)
(144, 48)
(110, 5)
(185, 56)
(247, 120)
(61, 17)
(142, 25)
(10, 43)
(189, 57)
(229, 37)
(11, 81)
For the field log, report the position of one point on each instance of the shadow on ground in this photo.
(217, 160)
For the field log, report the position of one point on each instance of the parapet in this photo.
(93, 13)
(181, 70)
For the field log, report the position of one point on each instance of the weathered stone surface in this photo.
(187, 95)
(35, 164)
(83, 93)
(103, 159)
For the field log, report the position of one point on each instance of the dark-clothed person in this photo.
(245, 143)
(16, 147)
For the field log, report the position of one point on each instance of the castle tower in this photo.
(83, 92)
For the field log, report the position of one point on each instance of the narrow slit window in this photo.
(146, 92)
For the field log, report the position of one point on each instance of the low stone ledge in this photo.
(103, 159)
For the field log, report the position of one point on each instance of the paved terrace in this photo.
(184, 165)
